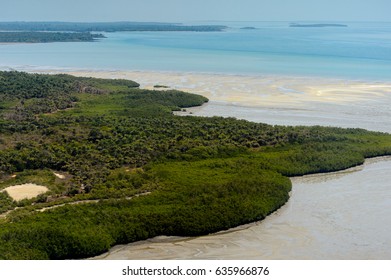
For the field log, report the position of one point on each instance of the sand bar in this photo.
(250, 90)
(266, 90)
(25, 191)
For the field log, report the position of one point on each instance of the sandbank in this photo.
(266, 90)
(25, 191)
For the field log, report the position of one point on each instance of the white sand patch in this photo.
(20, 192)
(58, 175)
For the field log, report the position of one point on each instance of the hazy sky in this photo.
(195, 10)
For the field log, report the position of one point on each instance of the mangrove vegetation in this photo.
(131, 169)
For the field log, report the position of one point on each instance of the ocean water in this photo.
(360, 51)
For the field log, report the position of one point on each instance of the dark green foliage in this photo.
(194, 175)
(34, 94)
(171, 99)
(6, 203)
(180, 207)
(19, 85)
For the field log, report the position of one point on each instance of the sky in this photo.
(195, 10)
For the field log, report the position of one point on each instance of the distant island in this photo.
(317, 25)
(48, 37)
(105, 26)
(248, 28)
(48, 32)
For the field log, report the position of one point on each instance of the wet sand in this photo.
(341, 215)
(282, 100)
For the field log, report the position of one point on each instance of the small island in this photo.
(318, 25)
(248, 28)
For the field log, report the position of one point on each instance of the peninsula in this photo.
(103, 162)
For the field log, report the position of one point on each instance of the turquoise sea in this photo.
(359, 51)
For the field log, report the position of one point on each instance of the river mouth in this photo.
(339, 215)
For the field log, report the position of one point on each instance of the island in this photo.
(317, 25)
(106, 26)
(248, 28)
(48, 32)
(87, 163)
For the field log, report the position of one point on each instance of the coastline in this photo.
(252, 90)
(288, 91)
(272, 99)
(282, 97)
(268, 230)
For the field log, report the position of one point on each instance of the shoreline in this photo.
(155, 244)
(272, 99)
(246, 90)
(66, 70)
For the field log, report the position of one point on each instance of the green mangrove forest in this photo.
(131, 169)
